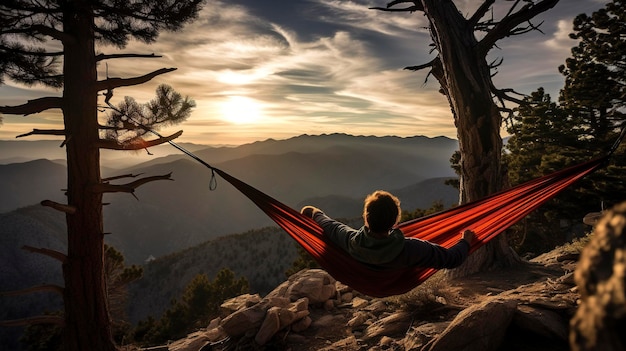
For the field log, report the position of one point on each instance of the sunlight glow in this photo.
(241, 110)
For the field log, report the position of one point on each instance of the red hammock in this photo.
(487, 217)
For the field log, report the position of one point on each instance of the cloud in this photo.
(315, 66)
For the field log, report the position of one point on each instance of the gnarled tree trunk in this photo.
(465, 80)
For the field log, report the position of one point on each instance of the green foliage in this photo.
(544, 139)
(128, 119)
(199, 304)
(596, 71)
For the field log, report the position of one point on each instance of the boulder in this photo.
(236, 303)
(481, 327)
(315, 284)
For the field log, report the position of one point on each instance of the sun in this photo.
(241, 110)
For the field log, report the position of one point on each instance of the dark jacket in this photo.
(393, 251)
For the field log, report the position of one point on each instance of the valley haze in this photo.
(332, 171)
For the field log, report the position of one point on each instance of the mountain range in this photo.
(333, 172)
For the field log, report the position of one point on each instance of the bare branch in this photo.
(480, 12)
(43, 132)
(121, 177)
(114, 145)
(421, 67)
(102, 57)
(34, 289)
(57, 320)
(130, 187)
(59, 207)
(47, 252)
(33, 106)
(506, 27)
(112, 83)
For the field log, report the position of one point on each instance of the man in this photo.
(381, 244)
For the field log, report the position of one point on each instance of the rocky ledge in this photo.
(558, 301)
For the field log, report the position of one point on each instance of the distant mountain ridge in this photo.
(171, 216)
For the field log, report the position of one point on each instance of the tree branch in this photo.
(47, 252)
(33, 106)
(121, 176)
(421, 67)
(129, 187)
(43, 132)
(59, 207)
(102, 57)
(57, 320)
(506, 26)
(480, 12)
(41, 288)
(114, 145)
(112, 83)
(40, 29)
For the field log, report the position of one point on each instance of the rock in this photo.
(376, 307)
(269, 327)
(359, 303)
(541, 322)
(478, 328)
(348, 344)
(419, 336)
(396, 323)
(193, 342)
(243, 320)
(328, 321)
(347, 297)
(601, 279)
(302, 325)
(315, 284)
(236, 303)
(358, 319)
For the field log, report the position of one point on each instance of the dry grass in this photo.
(425, 294)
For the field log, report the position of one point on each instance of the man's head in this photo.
(381, 211)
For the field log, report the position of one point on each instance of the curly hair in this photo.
(381, 211)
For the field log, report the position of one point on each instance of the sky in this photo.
(278, 69)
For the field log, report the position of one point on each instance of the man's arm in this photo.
(336, 231)
(426, 254)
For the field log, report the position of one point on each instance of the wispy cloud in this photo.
(315, 66)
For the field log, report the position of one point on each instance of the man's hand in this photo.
(469, 236)
(309, 211)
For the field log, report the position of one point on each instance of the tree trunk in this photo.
(87, 320)
(465, 80)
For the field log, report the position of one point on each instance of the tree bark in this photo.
(87, 320)
(464, 75)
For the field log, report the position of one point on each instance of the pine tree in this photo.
(55, 43)
(595, 74)
(544, 139)
(595, 92)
